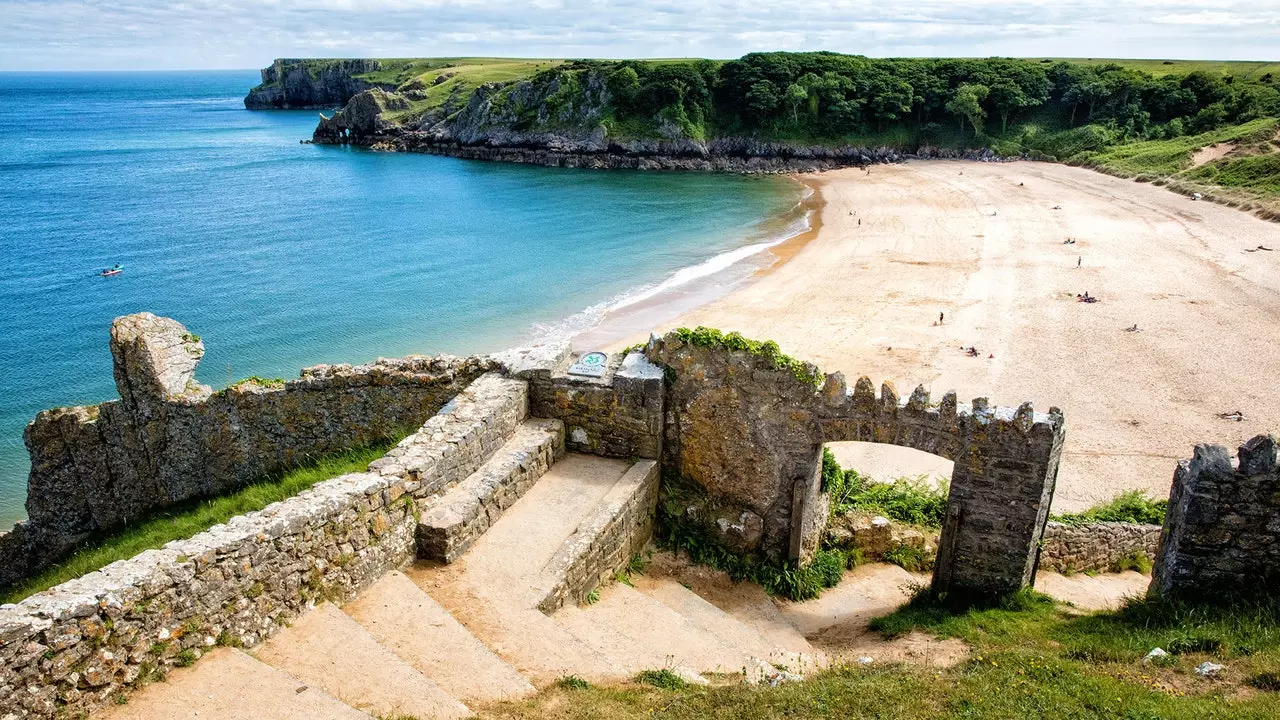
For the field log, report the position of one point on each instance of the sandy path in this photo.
(982, 243)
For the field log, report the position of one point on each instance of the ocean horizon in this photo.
(283, 255)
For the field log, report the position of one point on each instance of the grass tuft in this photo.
(662, 679)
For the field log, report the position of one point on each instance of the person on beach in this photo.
(941, 316)
(1079, 260)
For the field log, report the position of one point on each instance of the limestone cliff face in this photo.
(295, 84)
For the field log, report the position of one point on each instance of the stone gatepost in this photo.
(1001, 489)
(1221, 536)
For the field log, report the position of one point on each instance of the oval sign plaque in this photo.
(590, 365)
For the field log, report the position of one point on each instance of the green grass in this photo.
(1132, 506)
(1244, 69)
(1168, 157)
(914, 501)
(662, 679)
(1259, 173)
(1031, 658)
(188, 519)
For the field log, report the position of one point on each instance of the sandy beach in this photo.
(985, 244)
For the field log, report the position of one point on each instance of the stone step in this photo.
(747, 603)
(228, 684)
(451, 522)
(422, 633)
(604, 542)
(328, 649)
(493, 587)
(637, 632)
(708, 617)
(458, 439)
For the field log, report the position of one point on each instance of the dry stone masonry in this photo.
(71, 649)
(1221, 536)
(747, 430)
(170, 439)
(1096, 547)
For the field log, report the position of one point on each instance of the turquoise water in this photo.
(283, 255)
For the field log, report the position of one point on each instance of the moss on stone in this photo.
(712, 338)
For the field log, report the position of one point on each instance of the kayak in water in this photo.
(113, 270)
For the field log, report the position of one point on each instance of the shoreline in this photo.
(628, 318)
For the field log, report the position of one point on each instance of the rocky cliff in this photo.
(563, 122)
(297, 84)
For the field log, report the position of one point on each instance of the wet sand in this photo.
(983, 244)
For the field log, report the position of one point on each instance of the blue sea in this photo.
(283, 255)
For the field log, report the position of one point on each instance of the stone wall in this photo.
(746, 425)
(1096, 547)
(604, 544)
(1221, 535)
(170, 439)
(68, 650)
(616, 415)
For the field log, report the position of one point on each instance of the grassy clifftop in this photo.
(1140, 118)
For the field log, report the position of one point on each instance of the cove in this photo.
(285, 255)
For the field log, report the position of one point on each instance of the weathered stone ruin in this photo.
(736, 428)
(1221, 535)
(170, 439)
(746, 434)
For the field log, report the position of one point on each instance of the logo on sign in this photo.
(590, 365)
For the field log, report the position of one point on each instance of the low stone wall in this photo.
(71, 649)
(1096, 547)
(170, 439)
(450, 523)
(1221, 535)
(604, 544)
(456, 441)
(616, 415)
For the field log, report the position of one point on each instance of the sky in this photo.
(226, 34)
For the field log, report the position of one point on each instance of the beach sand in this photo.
(984, 244)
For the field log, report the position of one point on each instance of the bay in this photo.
(283, 255)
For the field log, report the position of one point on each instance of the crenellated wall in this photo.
(170, 439)
(746, 426)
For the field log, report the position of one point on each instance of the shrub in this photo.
(1132, 506)
(782, 578)
(663, 679)
(914, 501)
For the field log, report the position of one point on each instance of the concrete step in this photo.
(529, 641)
(328, 649)
(422, 633)
(228, 684)
(506, 562)
(451, 522)
(637, 632)
(459, 438)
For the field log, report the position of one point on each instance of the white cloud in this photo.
(51, 34)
